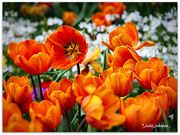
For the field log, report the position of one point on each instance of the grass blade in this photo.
(165, 121)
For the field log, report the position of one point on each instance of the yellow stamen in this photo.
(72, 50)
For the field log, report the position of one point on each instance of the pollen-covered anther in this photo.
(72, 49)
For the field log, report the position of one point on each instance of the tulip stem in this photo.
(67, 119)
(34, 87)
(79, 107)
(78, 68)
(40, 87)
(80, 125)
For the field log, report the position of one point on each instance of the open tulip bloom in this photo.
(126, 92)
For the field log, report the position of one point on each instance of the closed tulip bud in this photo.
(62, 92)
(33, 57)
(18, 88)
(152, 71)
(142, 114)
(121, 82)
(47, 113)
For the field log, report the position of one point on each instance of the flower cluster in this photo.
(100, 100)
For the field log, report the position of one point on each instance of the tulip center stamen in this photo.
(72, 50)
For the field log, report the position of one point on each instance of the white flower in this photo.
(145, 28)
(154, 37)
(108, 17)
(164, 50)
(166, 38)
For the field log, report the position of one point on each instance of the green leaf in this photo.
(104, 61)
(81, 15)
(63, 126)
(37, 84)
(75, 116)
(26, 116)
(54, 72)
(92, 10)
(165, 121)
(89, 129)
(58, 78)
(82, 112)
(5, 74)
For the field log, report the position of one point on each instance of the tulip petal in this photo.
(91, 84)
(169, 81)
(115, 119)
(96, 66)
(25, 65)
(149, 44)
(93, 107)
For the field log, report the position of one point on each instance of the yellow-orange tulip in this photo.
(90, 60)
(84, 86)
(69, 17)
(168, 85)
(125, 35)
(69, 47)
(18, 88)
(142, 114)
(33, 57)
(62, 92)
(153, 70)
(121, 82)
(47, 113)
(100, 109)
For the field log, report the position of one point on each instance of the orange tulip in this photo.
(112, 7)
(123, 54)
(69, 17)
(24, 126)
(142, 114)
(32, 57)
(153, 70)
(18, 88)
(106, 73)
(168, 85)
(162, 99)
(123, 36)
(69, 46)
(100, 19)
(121, 82)
(90, 60)
(62, 92)
(13, 121)
(47, 113)
(84, 86)
(11, 112)
(100, 109)
(24, 106)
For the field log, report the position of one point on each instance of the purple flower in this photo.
(33, 94)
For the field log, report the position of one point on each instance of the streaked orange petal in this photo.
(121, 40)
(91, 84)
(149, 44)
(93, 107)
(169, 81)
